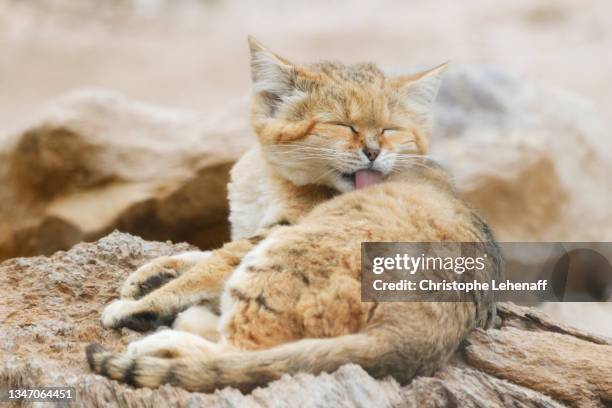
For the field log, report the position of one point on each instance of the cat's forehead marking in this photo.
(365, 73)
(359, 94)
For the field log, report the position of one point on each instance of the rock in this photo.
(95, 161)
(50, 307)
(533, 160)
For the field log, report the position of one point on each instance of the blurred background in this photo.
(193, 54)
(128, 114)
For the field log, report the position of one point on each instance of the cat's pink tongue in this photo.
(364, 178)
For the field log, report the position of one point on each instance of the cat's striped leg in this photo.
(202, 283)
(158, 272)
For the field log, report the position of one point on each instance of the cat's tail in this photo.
(247, 370)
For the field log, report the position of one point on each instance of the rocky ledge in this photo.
(50, 306)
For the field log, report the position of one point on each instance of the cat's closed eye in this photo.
(390, 130)
(346, 125)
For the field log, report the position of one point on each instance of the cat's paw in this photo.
(133, 315)
(149, 277)
(158, 272)
(172, 344)
(115, 312)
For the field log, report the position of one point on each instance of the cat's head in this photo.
(337, 125)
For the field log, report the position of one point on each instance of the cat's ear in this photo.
(271, 73)
(419, 90)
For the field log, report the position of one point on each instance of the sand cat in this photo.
(339, 162)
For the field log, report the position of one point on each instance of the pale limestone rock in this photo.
(96, 161)
(534, 160)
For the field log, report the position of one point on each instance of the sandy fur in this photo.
(287, 288)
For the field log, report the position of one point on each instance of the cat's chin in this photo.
(343, 183)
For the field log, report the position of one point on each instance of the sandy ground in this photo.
(193, 54)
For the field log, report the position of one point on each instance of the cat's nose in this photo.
(371, 154)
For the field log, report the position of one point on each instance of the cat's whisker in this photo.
(300, 147)
(400, 154)
(323, 175)
(317, 155)
(406, 166)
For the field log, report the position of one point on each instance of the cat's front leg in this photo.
(158, 272)
(202, 283)
(158, 308)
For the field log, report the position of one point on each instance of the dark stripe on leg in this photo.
(130, 375)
